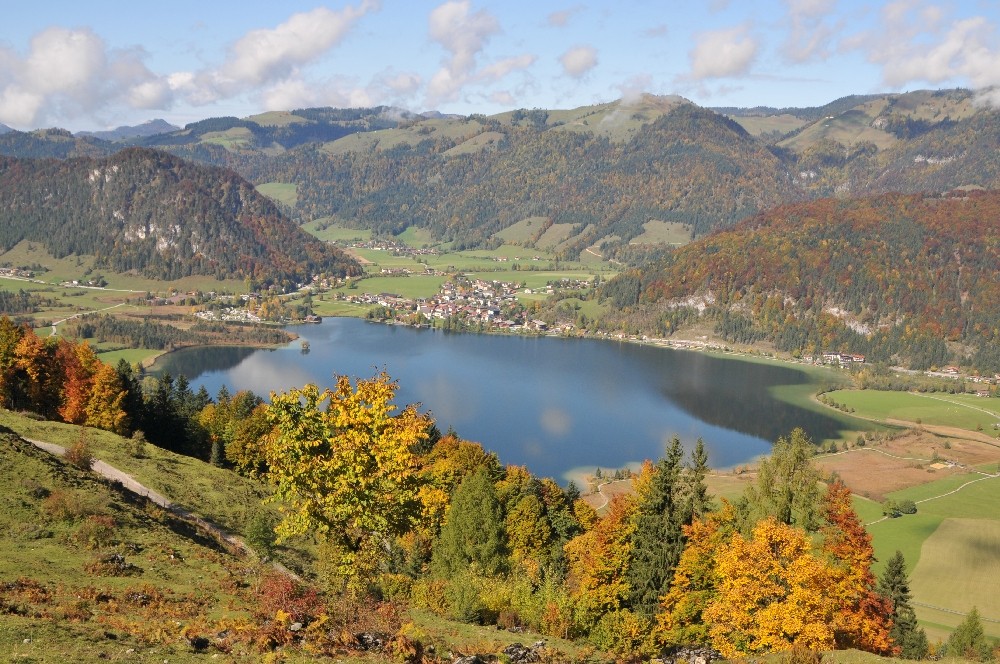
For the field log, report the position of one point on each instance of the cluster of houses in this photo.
(16, 273)
(490, 305)
(393, 247)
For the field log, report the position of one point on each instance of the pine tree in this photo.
(894, 586)
(659, 539)
(699, 502)
(473, 531)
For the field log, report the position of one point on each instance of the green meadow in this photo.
(964, 411)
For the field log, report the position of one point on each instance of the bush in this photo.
(464, 602)
(259, 533)
(621, 633)
(80, 455)
(907, 506)
(68, 505)
(430, 594)
(96, 532)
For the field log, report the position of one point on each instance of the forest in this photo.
(907, 279)
(151, 213)
(405, 515)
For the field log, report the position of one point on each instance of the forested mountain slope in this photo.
(155, 214)
(900, 277)
(690, 165)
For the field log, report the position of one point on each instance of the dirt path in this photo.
(139, 489)
(951, 432)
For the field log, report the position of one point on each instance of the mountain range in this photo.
(602, 172)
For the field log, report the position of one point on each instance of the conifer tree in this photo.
(969, 640)
(895, 586)
(659, 539)
(473, 531)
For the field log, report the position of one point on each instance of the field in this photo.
(668, 232)
(963, 411)
(283, 192)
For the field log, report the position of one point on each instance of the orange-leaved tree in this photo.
(681, 620)
(863, 619)
(772, 594)
(598, 562)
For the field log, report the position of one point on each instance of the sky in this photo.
(104, 63)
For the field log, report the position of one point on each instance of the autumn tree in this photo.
(894, 585)
(10, 337)
(772, 594)
(346, 471)
(862, 620)
(681, 618)
(105, 407)
(473, 532)
(598, 562)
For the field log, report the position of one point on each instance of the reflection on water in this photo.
(551, 404)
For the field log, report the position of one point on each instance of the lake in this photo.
(559, 406)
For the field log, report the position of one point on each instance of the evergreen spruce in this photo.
(894, 585)
(659, 539)
(473, 531)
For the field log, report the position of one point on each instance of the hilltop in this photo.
(151, 213)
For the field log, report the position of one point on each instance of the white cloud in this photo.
(809, 35)
(502, 68)
(723, 53)
(66, 73)
(561, 18)
(276, 55)
(502, 98)
(579, 60)
(916, 43)
(463, 35)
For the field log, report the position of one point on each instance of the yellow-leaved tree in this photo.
(772, 594)
(346, 471)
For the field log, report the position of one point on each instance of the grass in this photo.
(283, 192)
(73, 612)
(969, 545)
(131, 355)
(963, 411)
(334, 232)
(217, 494)
(524, 231)
(664, 232)
(556, 234)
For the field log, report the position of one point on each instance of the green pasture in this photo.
(956, 565)
(412, 287)
(335, 232)
(961, 551)
(663, 232)
(524, 231)
(416, 237)
(131, 355)
(283, 192)
(757, 125)
(964, 411)
(556, 234)
(231, 139)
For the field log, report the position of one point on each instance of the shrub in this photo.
(621, 633)
(907, 506)
(111, 564)
(277, 592)
(259, 533)
(80, 454)
(430, 594)
(97, 531)
(137, 444)
(68, 505)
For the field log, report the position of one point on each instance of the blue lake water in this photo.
(559, 406)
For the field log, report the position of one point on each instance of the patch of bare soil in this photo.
(914, 457)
